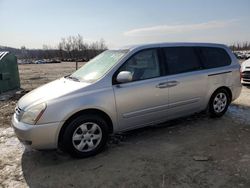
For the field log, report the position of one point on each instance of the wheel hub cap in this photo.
(87, 137)
(220, 102)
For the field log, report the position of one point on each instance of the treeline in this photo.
(72, 48)
(76, 47)
(240, 46)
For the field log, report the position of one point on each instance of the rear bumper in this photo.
(43, 136)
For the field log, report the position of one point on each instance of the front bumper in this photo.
(245, 77)
(44, 136)
(245, 81)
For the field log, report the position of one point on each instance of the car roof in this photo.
(170, 44)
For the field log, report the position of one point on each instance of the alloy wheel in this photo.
(220, 102)
(87, 137)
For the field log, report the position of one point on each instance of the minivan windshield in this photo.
(98, 66)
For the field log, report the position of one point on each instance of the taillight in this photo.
(240, 74)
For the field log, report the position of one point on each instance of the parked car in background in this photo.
(245, 72)
(24, 61)
(44, 61)
(242, 54)
(125, 89)
(40, 62)
(248, 55)
(53, 61)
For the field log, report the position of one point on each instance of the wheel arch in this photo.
(217, 89)
(227, 89)
(101, 113)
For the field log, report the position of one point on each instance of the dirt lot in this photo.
(191, 152)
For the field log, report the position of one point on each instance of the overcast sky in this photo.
(121, 22)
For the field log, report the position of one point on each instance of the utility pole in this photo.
(76, 64)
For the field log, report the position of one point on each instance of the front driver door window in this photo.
(143, 65)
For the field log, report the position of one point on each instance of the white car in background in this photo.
(245, 71)
(40, 62)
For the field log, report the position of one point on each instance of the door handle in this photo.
(167, 84)
(172, 83)
(162, 85)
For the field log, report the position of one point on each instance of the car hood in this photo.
(52, 90)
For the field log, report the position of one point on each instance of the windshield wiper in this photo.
(73, 78)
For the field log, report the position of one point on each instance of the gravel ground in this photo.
(196, 151)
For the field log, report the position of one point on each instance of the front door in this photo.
(144, 100)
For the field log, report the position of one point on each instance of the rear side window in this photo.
(181, 59)
(214, 57)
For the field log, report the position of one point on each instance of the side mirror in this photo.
(124, 76)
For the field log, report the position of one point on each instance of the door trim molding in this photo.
(159, 108)
(225, 72)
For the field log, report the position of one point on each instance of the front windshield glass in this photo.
(97, 67)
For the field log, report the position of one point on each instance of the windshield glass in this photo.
(97, 67)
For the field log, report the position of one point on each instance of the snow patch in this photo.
(239, 114)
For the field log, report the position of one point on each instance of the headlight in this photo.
(33, 114)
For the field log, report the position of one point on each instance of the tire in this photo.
(85, 136)
(219, 103)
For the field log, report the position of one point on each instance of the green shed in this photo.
(9, 74)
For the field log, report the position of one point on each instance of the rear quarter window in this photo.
(214, 57)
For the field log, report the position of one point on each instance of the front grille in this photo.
(19, 113)
(18, 110)
(248, 80)
(246, 74)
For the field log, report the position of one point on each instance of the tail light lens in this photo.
(240, 74)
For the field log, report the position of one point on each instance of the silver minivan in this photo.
(125, 89)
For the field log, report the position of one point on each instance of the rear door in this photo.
(144, 100)
(187, 81)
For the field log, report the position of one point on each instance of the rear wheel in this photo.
(85, 136)
(219, 103)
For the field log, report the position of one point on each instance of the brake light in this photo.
(240, 74)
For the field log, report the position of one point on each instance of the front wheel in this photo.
(219, 103)
(85, 136)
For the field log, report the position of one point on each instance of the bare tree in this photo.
(68, 45)
(60, 48)
(76, 48)
(24, 52)
(102, 45)
(240, 46)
